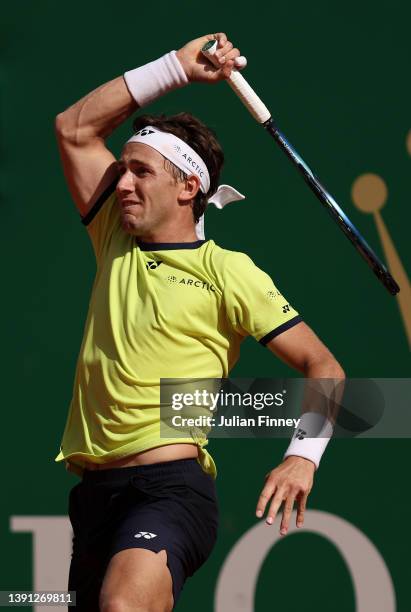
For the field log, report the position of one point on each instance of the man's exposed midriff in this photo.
(170, 452)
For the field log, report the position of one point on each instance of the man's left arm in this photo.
(292, 480)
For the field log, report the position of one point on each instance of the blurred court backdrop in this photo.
(336, 78)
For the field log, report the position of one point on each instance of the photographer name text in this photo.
(234, 421)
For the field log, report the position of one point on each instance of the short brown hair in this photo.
(200, 138)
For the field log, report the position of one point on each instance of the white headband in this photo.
(177, 151)
(185, 158)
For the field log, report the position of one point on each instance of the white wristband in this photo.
(311, 437)
(149, 82)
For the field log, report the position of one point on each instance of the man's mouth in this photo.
(129, 202)
(130, 206)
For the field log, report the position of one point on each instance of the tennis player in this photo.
(164, 304)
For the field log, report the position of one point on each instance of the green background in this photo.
(336, 78)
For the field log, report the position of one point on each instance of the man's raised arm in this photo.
(89, 167)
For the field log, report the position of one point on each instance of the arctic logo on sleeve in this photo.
(272, 295)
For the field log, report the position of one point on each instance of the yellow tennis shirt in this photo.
(175, 310)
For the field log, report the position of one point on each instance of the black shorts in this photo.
(170, 506)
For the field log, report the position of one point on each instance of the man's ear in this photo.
(190, 188)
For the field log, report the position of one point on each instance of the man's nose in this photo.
(125, 183)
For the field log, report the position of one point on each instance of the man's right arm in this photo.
(89, 167)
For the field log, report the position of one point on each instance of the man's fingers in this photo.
(222, 53)
(264, 498)
(302, 504)
(231, 55)
(220, 36)
(225, 54)
(227, 69)
(290, 482)
(275, 505)
(288, 508)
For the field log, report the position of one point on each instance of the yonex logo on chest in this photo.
(152, 264)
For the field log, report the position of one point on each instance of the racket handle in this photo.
(240, 86)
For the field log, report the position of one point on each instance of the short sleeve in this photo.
(102, 220)
(253, 303)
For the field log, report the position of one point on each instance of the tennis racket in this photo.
(263, 116)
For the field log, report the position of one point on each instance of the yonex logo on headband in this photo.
(144, 132)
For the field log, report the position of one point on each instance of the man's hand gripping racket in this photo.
(261, 114)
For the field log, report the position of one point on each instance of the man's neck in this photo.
(171, 235)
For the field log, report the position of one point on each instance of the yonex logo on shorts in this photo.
(286, 308)
(145, 534)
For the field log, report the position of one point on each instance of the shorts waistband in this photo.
(152, 469)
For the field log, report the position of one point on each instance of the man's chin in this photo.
(130, 225)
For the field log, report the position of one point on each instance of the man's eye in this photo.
(137, 171)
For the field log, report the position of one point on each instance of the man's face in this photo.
(147, 193)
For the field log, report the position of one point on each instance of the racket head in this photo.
(339, 216)
(379, 269)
